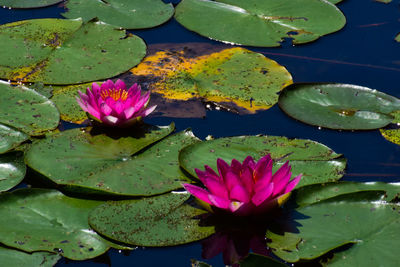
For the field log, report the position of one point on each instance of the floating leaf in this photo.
(46, 220)
(28, 3)
(128, 14)
(46, 49)
(338, 106)
(237, 75)
(260, 22)
(104, 163)
(338, 1)
(16, 258)
(371, 226)
(316, 162)
(10, 138)
(26, 110)
(393, 135)
(255, 260)
(314, 193)
(12, 170)
(163, 220)
(196, 263)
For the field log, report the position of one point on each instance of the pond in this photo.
(363, 53)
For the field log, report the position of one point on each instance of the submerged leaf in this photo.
(127, 14)
(260, 22)
(45, 50)
(232, 76)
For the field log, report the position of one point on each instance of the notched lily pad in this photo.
(26, 110)
(258, 22)
(316, 162)
(46, 220)
(127, 14)
(163, 220)
(28, 3)
(231, 77)
(44, 50)
(338, 106)
(12, 170)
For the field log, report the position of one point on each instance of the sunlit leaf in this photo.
(163, 220)
(128, 14)
(102, 162)
(28, 3)
(16, 258)
(57, 51)
(247, 79)
(47, 220)
(12, 170)
(26, 110)
(316, 162)
(338, 106)
(260, 22)
(10, 138)
(370, 225)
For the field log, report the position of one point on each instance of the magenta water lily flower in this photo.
(114, 105)
(244, 188)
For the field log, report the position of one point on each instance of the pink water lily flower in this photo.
(114, 105)
(244, 188)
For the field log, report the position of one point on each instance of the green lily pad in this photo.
(371, 225)
(128, 14)
(45, 50)
(259, 22)
(239, 76)
(10, 138)
(314, 193)
(28, 3)
(163, 220)
(338, 106)
(26, 110)
(46, 220)
(336, 1)
(196, 263)
(16, 258)
(12, 170)
(316, 162)
(103, 164)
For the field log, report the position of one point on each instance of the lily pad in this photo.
(128, 14)
(163, 220)
(259, 22)
(239, 76)
(16, 258)
(255, 260)
(314, 193)
(28, 3)
(337, 1)
(393, 134)
(26, 110)
(46, 220)
(371, 226)
(102, 162)
(316, 162)
(45, 50)
(12, 170)
(338, 106)
(10, 138)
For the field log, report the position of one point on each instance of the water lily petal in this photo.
(231, 180)
(96, 89)
(83, 96)
(281, 184)
(110, 120)
(223, 167)
(93, 111)
(212, 173)
(248, 162)
(239, 193)
(263, 194)
(281, 173)
(198, 192)
(235, 205)
(292, 184)
(216, 187)
(118, 107)
(107, 85)
(219, 202)
(246, 177)
(119, 84)
(82, 104)
(236, 166)
(105, 109)
(148, 111)
(263, 165)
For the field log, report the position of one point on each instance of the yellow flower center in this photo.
(114, 94)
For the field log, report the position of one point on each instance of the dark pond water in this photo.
(363, 53)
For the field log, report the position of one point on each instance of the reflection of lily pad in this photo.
(16, 258)
(46, 49)
(10, 138)
(27, 110)
(370, 225)
(259, 22)
(28, 3)
(46, 220)
(237, 75)
(316, 162)
(128, 14)
(12, 170)
(102, 162)
(338, 106)
(163, 220)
